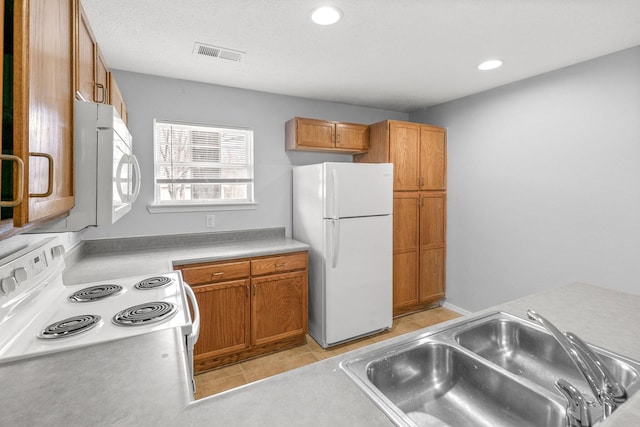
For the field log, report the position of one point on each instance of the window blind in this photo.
(202, 164)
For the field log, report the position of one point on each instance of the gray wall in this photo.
(544, 183)
(150, 97)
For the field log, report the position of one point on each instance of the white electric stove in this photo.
(40, 315)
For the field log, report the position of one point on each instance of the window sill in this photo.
(201, 208)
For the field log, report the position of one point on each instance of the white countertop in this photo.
(321, 394)
(136, 381)
(135, 262)
(141, 381)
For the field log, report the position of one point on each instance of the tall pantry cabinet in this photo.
(418, 154)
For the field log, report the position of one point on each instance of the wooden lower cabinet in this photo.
(224, 309)
(419, 249)
(278, 307)
(248, 307)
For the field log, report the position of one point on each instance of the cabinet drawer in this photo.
(213, 273)
(279, 264)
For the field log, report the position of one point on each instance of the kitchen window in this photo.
(202, 166)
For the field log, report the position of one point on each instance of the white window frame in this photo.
(160, 206)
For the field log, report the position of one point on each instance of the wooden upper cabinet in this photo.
(85, 59)
(92, 74)
(433, 158)
(102, 80)
(417, 151)
(43, 107)
(404, 149)
(322, 135)
(115, 99)
(352, 137)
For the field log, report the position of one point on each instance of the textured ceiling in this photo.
(400, 55)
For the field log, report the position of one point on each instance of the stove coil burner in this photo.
(69, 327)
(144, 314)
(153, 282)
(95, 293)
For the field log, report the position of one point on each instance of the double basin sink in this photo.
(496, 370)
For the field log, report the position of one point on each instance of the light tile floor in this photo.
(242, 373)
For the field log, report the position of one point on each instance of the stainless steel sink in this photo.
(532, 353)
(496, 370)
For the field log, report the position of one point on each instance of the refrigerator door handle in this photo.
(336, 242)
(336, 198)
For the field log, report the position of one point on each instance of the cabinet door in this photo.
(352, 137)
(314, 133)
(102, 79)
(43, 103)
(432, 245)
(432, 274)
(224, 318)
(404, 147)
(85, 58)
(433, 218)
(433, 159)
(278, 307)
(405, 250)
(115, 99)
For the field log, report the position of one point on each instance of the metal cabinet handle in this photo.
(102, 100)
(18, 161)
(280, 265)
(217, 275)
(50, 183)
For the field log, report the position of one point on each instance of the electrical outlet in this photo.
(210, 221)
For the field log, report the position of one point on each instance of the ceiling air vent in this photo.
(217, 52)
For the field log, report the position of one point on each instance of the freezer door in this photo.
(358, 287)
(358, 189)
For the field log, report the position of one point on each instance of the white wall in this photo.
(544, 183)
(150, 97)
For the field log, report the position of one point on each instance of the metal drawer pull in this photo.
(281, 265)
(217, 275)
(50, 183)
(20, 186)
(102, 100)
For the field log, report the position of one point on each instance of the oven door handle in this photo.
(192, 338)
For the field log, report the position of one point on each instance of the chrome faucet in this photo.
(606, 389)
(578, 414)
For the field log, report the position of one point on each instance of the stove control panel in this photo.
(38, 263)
(29, 267)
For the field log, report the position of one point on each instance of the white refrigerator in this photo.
(344, 212)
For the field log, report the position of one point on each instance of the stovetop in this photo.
(40, 315)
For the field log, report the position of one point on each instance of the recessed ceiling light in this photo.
(490, 65)
(326, 15)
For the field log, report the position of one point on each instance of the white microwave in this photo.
(106, 172)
